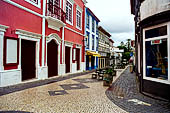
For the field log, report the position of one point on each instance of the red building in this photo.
(40, 39)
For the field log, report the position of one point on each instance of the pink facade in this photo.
(40, 39)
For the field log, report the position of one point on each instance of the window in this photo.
(78, 18)
(69, 11)
(93, 25)
(156, 58)
(97, 29)
(97, 44)
(88, 20)
(92, 42)
(34, 2)
(87, 40)
(160, 31)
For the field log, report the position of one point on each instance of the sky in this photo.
(115, 17)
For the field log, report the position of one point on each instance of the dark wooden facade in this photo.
(152, 88)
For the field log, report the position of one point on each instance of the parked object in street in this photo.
(108, 76)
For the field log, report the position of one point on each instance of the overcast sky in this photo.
(115, 17)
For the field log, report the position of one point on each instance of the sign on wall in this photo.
(11, 51)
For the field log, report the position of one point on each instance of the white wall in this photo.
(151, 7)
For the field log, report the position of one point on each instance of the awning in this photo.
(93, 53)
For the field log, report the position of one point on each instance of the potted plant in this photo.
(108, 76)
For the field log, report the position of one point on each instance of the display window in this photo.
(156, 53)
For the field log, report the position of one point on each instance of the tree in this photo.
(122, 43)
(128, 44)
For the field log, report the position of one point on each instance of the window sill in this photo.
(157, 80)
(68, 22)
(79, 28)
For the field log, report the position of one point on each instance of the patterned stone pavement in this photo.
(76, 94)
(124, 93)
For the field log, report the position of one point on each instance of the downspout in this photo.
(63, 45)
(85, 39)
(64, 4)
(43, 32)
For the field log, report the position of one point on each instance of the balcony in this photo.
(55, 16)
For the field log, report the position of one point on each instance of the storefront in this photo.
(92, 60)
(152, 37)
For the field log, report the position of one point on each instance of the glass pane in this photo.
(157, 59)
(156, 32)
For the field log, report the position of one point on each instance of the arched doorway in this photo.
(52, 58)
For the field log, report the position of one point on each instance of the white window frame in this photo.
(33, 3)
(72, 3)
(93, 20)
(80, 28)
(88, 21)
(168, 48)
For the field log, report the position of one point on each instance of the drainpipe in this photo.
(63, 45)
(43, 32)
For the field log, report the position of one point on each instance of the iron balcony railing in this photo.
(56, 12)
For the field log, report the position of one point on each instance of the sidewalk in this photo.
(76, 94)
(124, 93)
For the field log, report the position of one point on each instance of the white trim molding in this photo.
(24, 8)
(33, 3)
(54, 23)
(55, 37)
(3, 28)
(68, 43)
(28, 34)
(74, 31)
(78, 45)
(57, 40)
(79, 8)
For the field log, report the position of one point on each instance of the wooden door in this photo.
(52, 58)
(28, 55)
(67, 59)
(78, 58)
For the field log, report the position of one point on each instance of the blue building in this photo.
(91, 40)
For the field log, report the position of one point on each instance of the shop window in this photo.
(157, 59)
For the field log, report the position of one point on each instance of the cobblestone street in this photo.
(80, 94)
(124, 93)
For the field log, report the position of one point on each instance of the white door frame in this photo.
(57, 40)
(26, 35)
